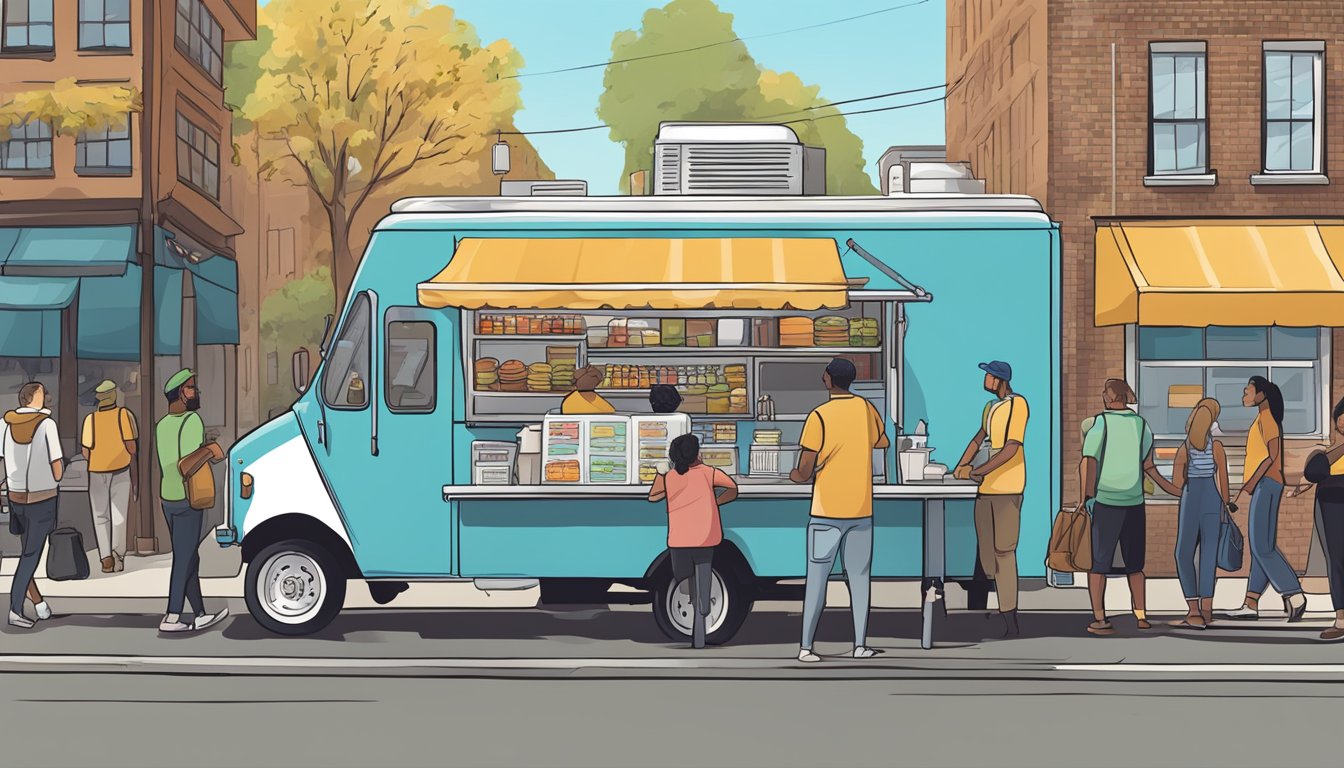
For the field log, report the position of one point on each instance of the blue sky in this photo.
(892, 51)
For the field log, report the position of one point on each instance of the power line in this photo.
(855, 101)
(716, 44)
(785, 122)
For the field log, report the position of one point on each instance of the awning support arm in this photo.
(885, 269)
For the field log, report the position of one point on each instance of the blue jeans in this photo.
(852, 540)
(1197, 528)
(1268, 565)
(38, 522)
(184, 580)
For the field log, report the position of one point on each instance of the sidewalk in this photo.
(142, 587)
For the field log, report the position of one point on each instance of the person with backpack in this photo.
(1200, 473)
(179, 438)
(1264, 482)
(34, 465)
(694, 492)
(109, 440)
(1002, 478)
(1117, 454)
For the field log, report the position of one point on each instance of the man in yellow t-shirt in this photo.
(584, 399)
(1002, 479)
(109, 441)
(838, 440)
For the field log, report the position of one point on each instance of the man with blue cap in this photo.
(1003, 479)
(179, 439)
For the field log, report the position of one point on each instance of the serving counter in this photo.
(764, 530)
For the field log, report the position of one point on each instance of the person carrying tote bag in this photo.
(1200, 473)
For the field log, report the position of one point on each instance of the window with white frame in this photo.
(200, 37)
(1173, 368)
(1293, 108)
(1178, 127)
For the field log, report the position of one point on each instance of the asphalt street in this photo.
(596, 687)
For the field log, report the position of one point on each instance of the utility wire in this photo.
(785, 122)
(716, 44)
(854, 101)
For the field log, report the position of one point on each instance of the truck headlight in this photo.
(245, 485)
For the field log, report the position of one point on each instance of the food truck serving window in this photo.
(345, 381)
(411, 365)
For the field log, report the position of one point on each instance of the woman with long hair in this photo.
(694, 492)
(1264, 485)
(1200, 472)
(1325, 469)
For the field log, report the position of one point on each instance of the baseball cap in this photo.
(998, 369)
(178, 379)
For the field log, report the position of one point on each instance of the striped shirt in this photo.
(1199, 463)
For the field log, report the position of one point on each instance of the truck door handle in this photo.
(321, 432)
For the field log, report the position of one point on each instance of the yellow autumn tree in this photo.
(71, 107)
(368, 95)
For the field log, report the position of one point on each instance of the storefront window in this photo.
(17, 371)
(1175, 367)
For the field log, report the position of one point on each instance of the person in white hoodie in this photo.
(34, 465)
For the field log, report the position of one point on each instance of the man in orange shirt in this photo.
(838, 440)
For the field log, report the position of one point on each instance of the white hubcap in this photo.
(292, 587)
(681, 608)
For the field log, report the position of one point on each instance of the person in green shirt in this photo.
(1117, 453)
(180, 442)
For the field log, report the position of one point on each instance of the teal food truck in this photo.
(416, 452)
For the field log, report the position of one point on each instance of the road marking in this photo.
(1328, 669)
(386, 663)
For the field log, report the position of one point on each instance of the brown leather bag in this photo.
(1070, 548)
(201, 483)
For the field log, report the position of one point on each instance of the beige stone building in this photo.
(116, 256)
(1188, 148)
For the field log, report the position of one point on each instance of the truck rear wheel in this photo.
(730, 600)
(294, 587)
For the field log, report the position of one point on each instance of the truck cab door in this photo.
(385, 438)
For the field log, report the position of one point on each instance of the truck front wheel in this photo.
(730, 600)
(294, 587)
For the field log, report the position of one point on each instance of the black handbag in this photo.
(1231, 544)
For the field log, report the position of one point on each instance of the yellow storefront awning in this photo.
(1229, 273)
(639, 273)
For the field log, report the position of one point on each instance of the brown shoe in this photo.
(1101, 628)
(1144, 625)
(109, 565)
(1333, 633)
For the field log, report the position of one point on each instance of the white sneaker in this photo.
(862, 652)
(206, 620)
(20, 621)
(43, 610)
(808, 657)
(1244, 613)
(174, 626)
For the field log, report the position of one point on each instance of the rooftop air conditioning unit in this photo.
(735, 159)
(540, 188)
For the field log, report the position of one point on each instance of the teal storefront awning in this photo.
(67, 251)
(109, 315)
(30, 333)
(37, 292)
(215, 282)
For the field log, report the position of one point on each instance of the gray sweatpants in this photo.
(852, 540)
(109, 499)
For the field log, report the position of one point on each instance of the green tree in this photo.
(293, 318)
(718, 82)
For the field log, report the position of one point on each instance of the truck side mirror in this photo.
(300, 370)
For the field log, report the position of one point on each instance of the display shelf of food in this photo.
(654, 434)
(713, 361)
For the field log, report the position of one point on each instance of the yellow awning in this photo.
(638, 273)
(1234, 273)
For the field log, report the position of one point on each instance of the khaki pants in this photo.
(998, 520)
(109, 499)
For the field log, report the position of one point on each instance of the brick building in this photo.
(1184, 146)
(118, 259)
